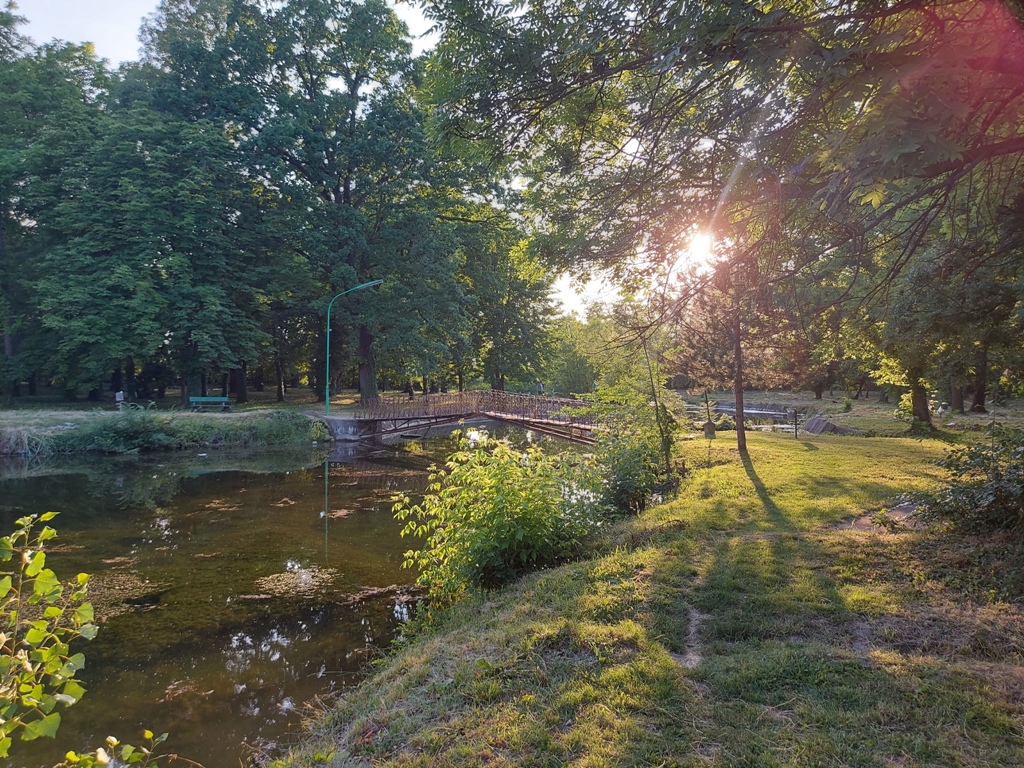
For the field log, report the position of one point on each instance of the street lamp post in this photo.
(327, 378)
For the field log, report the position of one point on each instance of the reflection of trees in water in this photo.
(153, 480)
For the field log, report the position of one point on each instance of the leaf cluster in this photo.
(493, 512)
(986, 489)
(39, 619)
(122, 753)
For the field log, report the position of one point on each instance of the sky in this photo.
(113, 26)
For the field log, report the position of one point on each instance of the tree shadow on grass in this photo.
(785, 660)
(775, 514)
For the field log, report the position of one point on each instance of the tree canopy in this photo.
(852, 164)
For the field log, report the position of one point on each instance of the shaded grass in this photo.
(744, 623)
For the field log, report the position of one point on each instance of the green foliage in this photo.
(39, 618)
(493, 513)
(137, 430)
(904, 410)
(124, 753)
(319, 431)
(986, 490)
(573, 368)
(630, 454)
(631, 446)
(725, 423)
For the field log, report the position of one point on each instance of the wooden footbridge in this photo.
(392, 414)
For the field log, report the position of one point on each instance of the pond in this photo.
(227, 598)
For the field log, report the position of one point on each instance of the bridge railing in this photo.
(508, 405)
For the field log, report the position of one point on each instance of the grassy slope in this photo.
(743, 623)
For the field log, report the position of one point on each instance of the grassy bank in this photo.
(138, 430)
(758, 619)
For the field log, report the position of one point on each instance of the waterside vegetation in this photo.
(137, 429)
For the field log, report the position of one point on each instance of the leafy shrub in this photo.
(319, 431)
(905, 409)
(40, 617)
(630, 456)
(986, 491)
(137, 429)
(725, 423)
(631, 446)
(276, 428)
(493, 513)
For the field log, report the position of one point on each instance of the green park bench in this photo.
(197, 403)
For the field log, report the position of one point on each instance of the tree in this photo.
(47, 110)
(145, 257)
(573, 367)
(815, 138)
(322, 97)
(514, 312)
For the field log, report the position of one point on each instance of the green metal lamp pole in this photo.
(327, 378)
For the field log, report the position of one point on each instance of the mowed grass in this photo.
(756, 619)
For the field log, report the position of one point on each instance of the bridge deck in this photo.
(551, 415)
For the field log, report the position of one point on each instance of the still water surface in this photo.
(227, 597)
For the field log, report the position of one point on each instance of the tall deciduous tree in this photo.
(48, 112)
(797, 133)
(146, 257)
(322, 99)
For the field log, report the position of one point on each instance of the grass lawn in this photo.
(756, 619)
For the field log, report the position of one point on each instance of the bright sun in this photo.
(698, 256)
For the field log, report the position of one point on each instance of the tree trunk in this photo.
(818, 390)
(737, 386)
(129, 379)
(241, 388)
(7, 369)
(279, 373)
(367, 366)
(33, 384)
(192, 385)
(919, 404)
(460, 378)
(919, 398)
(980, 382)
(956, 395)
